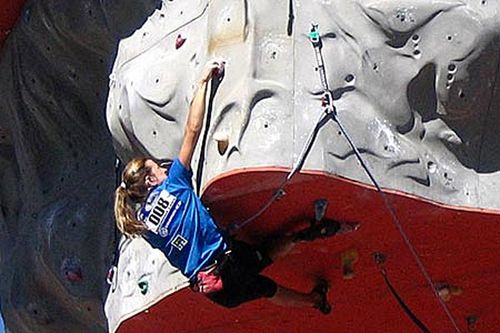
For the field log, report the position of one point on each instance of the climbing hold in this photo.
(143, 286)
(74, 275)
(219, 71)
(280, 193)
(446, 291)
(349, 78)
(320, 207)
(72, 270)
(471, 323)
(111, 275)
(379, 258)
(222, 142)
(179, 41)
(348, 259)
(222, 146)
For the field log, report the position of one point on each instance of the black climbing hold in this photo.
(349, 78)
(379, 257)
(320, 207)
(471, 323)
(144, 287)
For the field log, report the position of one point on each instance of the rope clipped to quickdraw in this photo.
(380, 261)
(317, 45)
(328, 111)
(280, 192)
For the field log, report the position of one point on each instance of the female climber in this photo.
(162, 207)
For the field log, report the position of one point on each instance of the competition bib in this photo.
(162, 211)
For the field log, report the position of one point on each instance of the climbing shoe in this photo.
(321, 289)
(325, 228)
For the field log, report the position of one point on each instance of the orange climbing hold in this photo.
(348, 259)
(446, 291)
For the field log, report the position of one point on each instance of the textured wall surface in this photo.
(56, 162)
(414, 83)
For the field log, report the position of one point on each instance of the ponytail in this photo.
(131, 192)
(125, 217)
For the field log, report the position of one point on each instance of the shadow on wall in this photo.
(55, 147)
(467, 106)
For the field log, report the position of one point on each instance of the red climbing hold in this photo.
(179, 41)
(74, 275)
(72, 270)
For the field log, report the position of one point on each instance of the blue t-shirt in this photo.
(179, 225)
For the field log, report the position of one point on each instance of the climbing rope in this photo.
(280, 192)
(329, 112)
(380, 260)
(316, 41)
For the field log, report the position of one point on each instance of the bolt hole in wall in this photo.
(349, 78)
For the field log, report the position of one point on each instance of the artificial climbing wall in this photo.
(415, 90)
(9, 13)
(414, 84)
(57, 162)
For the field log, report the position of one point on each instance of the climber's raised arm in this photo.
(196, 113)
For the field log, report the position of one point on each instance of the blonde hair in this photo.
(132, 191)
